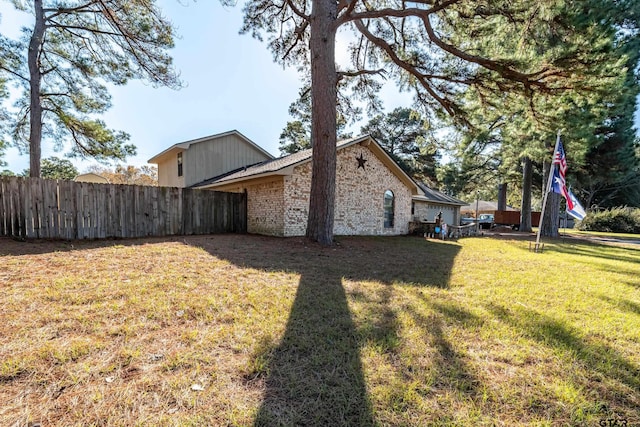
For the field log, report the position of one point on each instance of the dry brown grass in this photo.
(248, 330)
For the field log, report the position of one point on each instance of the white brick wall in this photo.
(280, 206)
(359, 196)
(265, 208)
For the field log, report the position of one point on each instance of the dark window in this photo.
(179, 164)
(388, 209)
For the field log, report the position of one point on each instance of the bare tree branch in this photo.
(398, 13)
(297, 11)
(12, 72)
(343, 74)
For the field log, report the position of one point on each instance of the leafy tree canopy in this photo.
(128, 174)
(56, 168)
(296, 135)
(404, 134)
(596, 124)
(4, 115)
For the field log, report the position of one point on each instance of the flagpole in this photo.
(546, 193)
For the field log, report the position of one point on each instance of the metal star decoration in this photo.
(361, 161)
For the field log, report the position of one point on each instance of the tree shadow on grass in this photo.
(625, 304)
(315, 375)
(451, 370)
(595, 250)
(15, 247)
(602, 360)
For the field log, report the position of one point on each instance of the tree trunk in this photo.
(525, 208)
(35, 78)
(323, 121)
(502, 196)
(551, 216)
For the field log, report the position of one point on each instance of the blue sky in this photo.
(231, 82)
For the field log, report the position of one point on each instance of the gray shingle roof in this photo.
(271, 166)
(436, 196)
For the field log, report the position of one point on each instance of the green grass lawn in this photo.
(248, 330)
(579, 233)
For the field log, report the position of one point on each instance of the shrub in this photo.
(616, 220)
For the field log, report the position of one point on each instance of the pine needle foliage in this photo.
(64, 61)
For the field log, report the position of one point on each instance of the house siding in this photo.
(359, 196)
(168, 172)
(91, 177)
(429, 210)
(219, 155)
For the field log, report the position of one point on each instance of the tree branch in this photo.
(90, 30)
(350, 5)
(447, 105)
(14, 73)
(396, 13)
(297, 11)
(299, 36)
(343, 74)
(134, 48)
(502, 69)
(70, 10)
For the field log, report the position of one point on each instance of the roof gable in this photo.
(284, 165)
(182, 146)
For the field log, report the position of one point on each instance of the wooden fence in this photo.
(57, 209)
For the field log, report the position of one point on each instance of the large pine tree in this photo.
(437, 48)
(611, 172)
(524, 130)
(404, 134)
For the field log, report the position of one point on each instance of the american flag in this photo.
(559, 184)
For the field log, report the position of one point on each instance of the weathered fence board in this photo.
(57, 209)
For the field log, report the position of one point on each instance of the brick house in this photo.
(374, 196)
